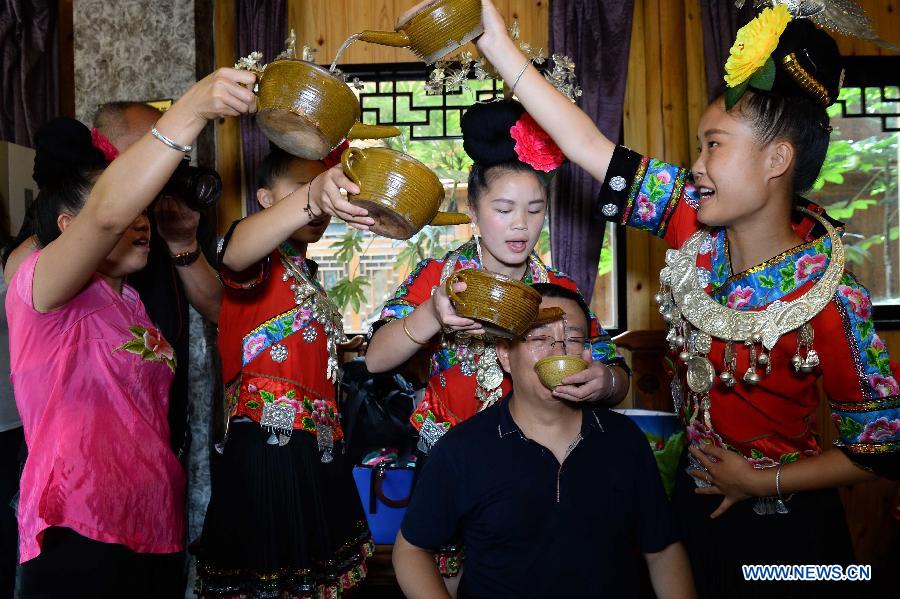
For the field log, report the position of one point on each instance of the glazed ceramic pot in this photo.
(307, 111)
(401, 194)
(553, 369)
(432, 29)
(505, 307)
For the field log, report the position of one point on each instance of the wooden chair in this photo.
(649, 383)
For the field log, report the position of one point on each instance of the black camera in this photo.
(198, 187)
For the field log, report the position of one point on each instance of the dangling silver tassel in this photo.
(727, 375)
(751, 377)
(765, 506)
(780, 507)
(325, 439)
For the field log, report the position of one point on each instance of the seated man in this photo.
(550, 499)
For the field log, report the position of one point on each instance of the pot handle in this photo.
(449, 218)
(349, 156)
(364, 131)
(396, 39)
(546, 315)
(454, 278)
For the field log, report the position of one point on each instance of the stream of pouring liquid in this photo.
(342, 49)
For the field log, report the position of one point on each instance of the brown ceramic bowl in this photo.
(307, 111)
(505, 307)
(400, 193)
(553, 369)
(432, 29)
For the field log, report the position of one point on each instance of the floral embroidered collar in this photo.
(768, 281)
(778, 276)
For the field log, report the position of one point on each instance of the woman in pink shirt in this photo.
(101, 511)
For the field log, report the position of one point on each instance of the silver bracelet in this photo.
(175, 146)
(519, 76)
(780, 506)
(612, 373)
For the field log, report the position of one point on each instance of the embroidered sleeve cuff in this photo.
(248, 279)
(619, 180)
(883, 463)
(392, 310)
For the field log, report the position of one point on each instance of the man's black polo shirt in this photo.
(533, 528)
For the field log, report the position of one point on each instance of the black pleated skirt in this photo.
(280, 523)
(813, 532)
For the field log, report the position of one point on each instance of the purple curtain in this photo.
(721, 20)
(596, 34)
(261, 25)
(29, 68)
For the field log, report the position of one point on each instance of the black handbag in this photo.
(376, 410)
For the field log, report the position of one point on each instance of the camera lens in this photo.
(198, 187)
(206, 188)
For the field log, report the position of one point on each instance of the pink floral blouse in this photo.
(91, 381)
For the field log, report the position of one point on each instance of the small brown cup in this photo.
(553, 369)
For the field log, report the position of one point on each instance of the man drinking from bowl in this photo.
(550, 498)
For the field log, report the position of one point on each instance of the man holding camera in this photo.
(176, 215)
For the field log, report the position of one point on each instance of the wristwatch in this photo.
(186, 258)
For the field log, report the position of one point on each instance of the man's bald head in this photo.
(123, 123)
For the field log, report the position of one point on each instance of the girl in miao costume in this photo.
(759, 306)
(507, 203)
(284, 518)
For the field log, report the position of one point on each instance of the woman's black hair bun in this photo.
(485, 128)
(63, 149)
(808, 63)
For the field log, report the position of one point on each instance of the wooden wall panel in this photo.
(665, 96)
(66, 57)
(885, 15)
(696, 75)
(635, 134)
(228, 133)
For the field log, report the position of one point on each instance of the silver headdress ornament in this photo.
(841, 16)
(253, 61)
(450, 75)
(308, 53)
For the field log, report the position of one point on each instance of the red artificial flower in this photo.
(534, 147)
(104, 145)
(335, 156)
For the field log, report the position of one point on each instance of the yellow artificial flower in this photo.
(755, 43)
